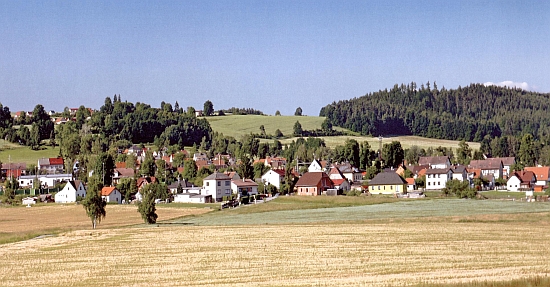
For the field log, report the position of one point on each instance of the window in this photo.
(391, 187)
(439, 175)
(438, 183)
(227, 183)
(207, 183)
(429, 183)
(379, 187)
(219, 183)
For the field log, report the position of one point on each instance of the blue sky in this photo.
(267, 55)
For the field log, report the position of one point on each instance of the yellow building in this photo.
(387, 183)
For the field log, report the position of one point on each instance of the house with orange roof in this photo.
(411, 184)
(341, 184)
(110, 194)
(542, 173)
(521, 181)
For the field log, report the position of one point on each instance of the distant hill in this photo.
(467, 113)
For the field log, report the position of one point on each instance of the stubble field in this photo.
(384, 254)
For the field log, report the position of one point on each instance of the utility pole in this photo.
(380, 148)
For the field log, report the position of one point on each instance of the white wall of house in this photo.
(69, 194)
(315, 166)
(114, 196)
(217, 188)
(437, 181)
(273, 178)
(513, 183)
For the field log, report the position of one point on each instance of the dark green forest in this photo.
(469, 113)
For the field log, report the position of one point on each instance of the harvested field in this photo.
(23, 222)
(385, 254)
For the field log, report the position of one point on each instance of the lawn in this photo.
(16, 153)
(239, 125)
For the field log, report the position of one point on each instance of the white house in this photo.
(315, 166)
(437, 178)
(46, 180)
(217, 185)
(521, 181)
(411, 184)
(435, 162)
(189, 197)
(488, 166)
(70, 192)
(460, 173)
(274, 177)
(350, 172)
(248, 186)
(111, 194)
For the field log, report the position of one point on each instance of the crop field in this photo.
(357, 254)
(18, 223)
(353, 242)
(406, 141)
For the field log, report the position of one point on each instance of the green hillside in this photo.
(17, 153)
(237, 126)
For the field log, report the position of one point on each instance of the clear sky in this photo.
(267, 55)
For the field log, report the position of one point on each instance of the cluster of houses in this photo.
(321, 177)
(438, 170)
(56, 120)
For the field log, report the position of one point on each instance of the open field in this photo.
(18, 223)
(237, 126)
(406, 141)
(382, 209)
(24, 154)
(381, 254)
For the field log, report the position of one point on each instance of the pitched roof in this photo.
(432, 160)
(524, 176)
(217, 176)
(338, 182)
(335, 170)
(437, 170)
(490, 163)
(311, 178)
(384, 178)
(542, 173)
(410, 180)
(120, 164)
(105, 191)
(507, 160)
(56, 161)
(458, 169)
(246, 182)
(125, 172)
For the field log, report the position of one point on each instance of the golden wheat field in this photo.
(19, 221)
(347, 254)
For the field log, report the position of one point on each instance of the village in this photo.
(52, 182)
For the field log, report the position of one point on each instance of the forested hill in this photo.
(469, 113)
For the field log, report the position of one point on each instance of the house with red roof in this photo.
(313, 183)
(341, 184)
(542, 173)
(110, 194)
(411, 184)
(51, 165)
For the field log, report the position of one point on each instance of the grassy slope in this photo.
(237, 126)
(24, 154)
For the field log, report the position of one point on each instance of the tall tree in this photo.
(208, 109)
(527, 152)
(43, 121)
(93, 203)
(298, 111)
(189, 170)
(297, 130)
(147, 207)
(245, 169)
(393, 154)
(464, 153)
